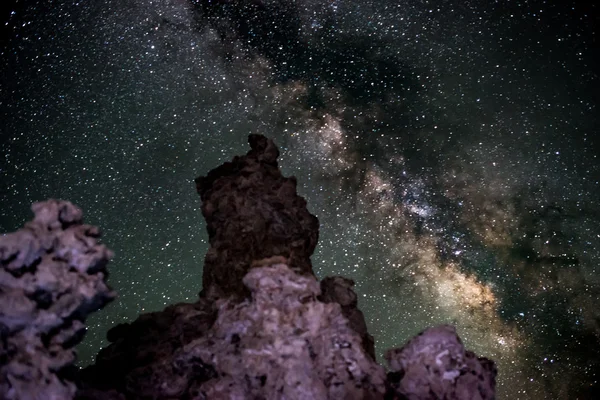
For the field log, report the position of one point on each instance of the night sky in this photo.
(448, 149)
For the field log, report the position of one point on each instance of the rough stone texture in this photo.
(141, 354)
(338, 289)
(252, 212)
(435, 365)
(285, 344)
(282, 343)
(263, 327)
(52, 275)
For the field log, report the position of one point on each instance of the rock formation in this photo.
(337, 289)
(252, 212)
(263, 326)
(435, 365)
(52, 276)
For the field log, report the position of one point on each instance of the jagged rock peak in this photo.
(52, 275)
(252, 212)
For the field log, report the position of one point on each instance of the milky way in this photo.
(448, 149)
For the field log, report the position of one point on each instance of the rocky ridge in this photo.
(262, 328)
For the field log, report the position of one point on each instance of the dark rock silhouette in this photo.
(262, 328)
(252, 212)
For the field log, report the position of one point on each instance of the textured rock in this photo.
(52, 275)
(151, 356)
(285, 344)
(263, 327)
(282, 343)
(252, 212)
(338, 289)
(435, 365)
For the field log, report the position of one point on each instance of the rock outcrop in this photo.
(337, 289)
(435, 365)
(279, 343)
(263, 326)
(252, 212)
(52, 275)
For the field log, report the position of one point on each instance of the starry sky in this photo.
(449, 149)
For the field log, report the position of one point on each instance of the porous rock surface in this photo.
(284, 343)
(281, 343)
(435, 365)
(263, 326)
(52, 275)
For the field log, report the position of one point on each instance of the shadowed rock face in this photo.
(337, 289)
(52, 276)
(252, 212)
(263, 327)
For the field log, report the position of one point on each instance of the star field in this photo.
(449, 150)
